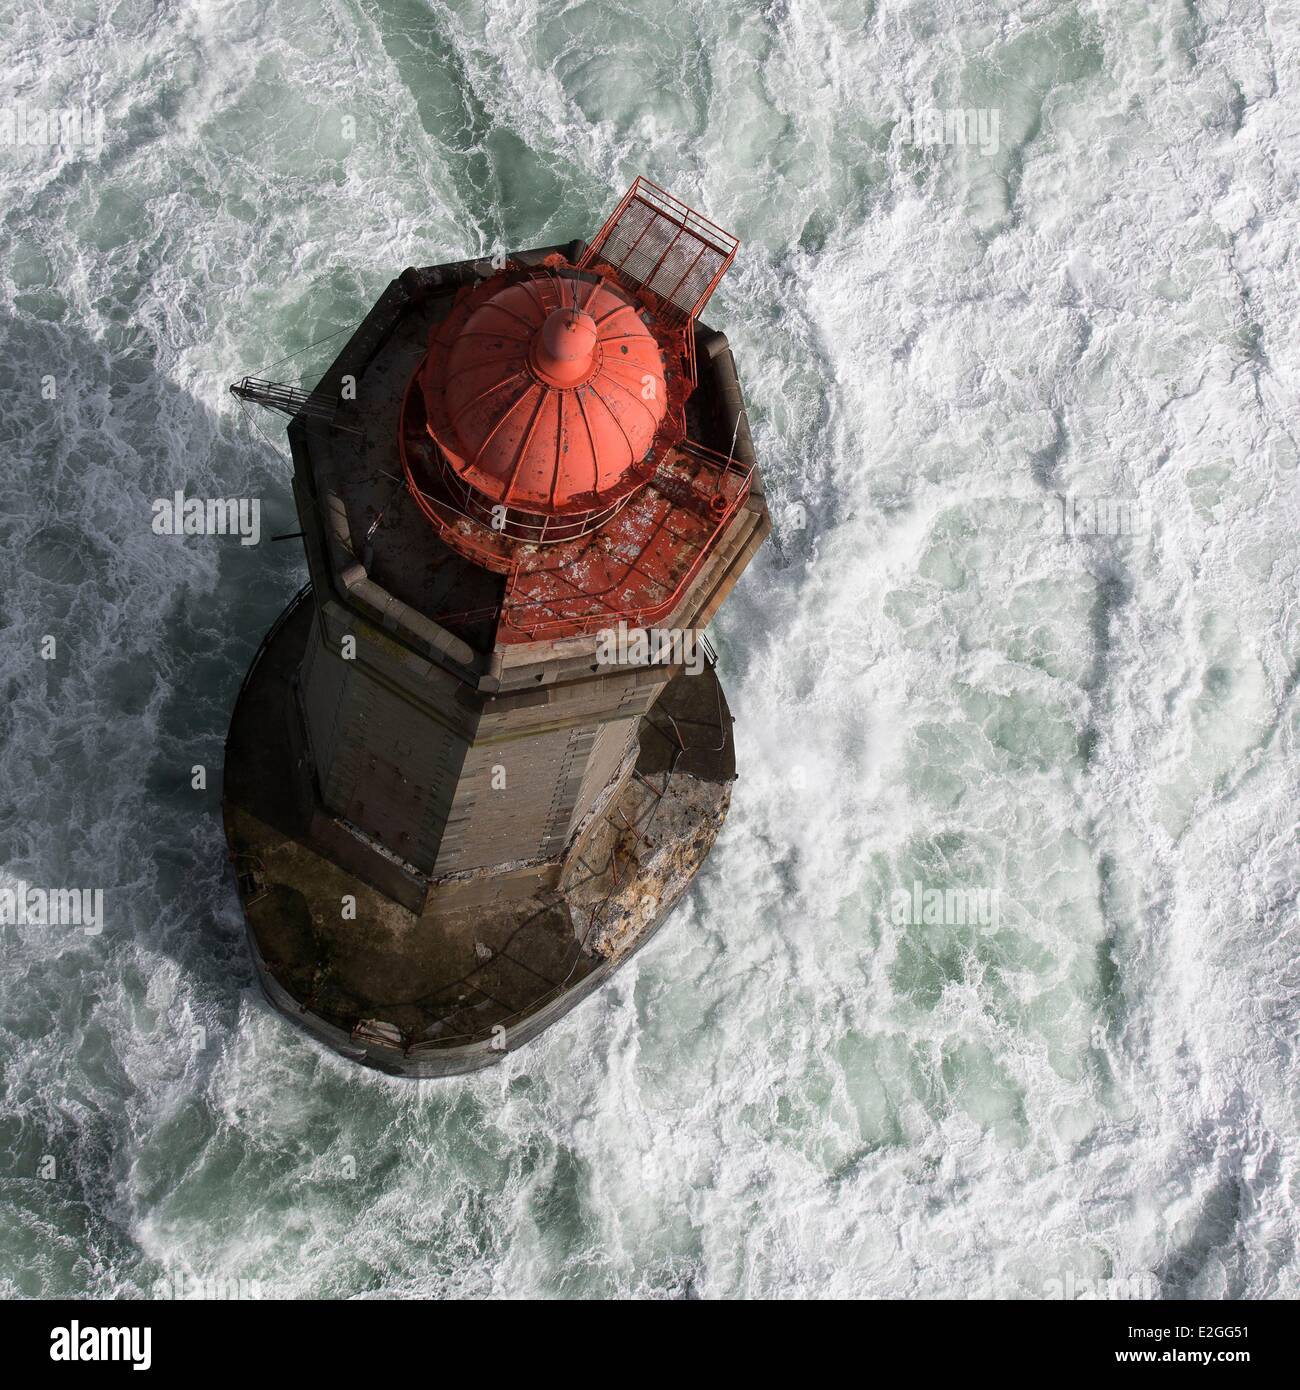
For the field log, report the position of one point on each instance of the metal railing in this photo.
(584, 624)
(290, 400)
(548, 622)
(654, 241)
(511, 522)
(270, 635)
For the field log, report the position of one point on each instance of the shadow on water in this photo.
(97, 750)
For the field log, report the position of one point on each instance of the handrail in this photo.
(586, 624)
(661, 207)
(294, 603)
(640, 616)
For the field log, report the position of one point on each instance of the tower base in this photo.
(423, 977)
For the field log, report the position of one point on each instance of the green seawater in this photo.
(804, 1087)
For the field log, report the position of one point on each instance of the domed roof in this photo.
(551, 394)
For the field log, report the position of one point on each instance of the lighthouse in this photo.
(483, 752)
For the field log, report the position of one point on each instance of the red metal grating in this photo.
(636, 566)
(654, 241)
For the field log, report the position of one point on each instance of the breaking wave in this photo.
(804, 1087)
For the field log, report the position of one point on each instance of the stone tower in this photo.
(484, 751)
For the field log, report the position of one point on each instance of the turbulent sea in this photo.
(799, 1089)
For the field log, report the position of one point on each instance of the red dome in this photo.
(549, 396)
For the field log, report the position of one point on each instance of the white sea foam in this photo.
(788, 1093)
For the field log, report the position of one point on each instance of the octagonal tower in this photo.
(457, 793)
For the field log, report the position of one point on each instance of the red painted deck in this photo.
(633, 568)
(544, 436)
